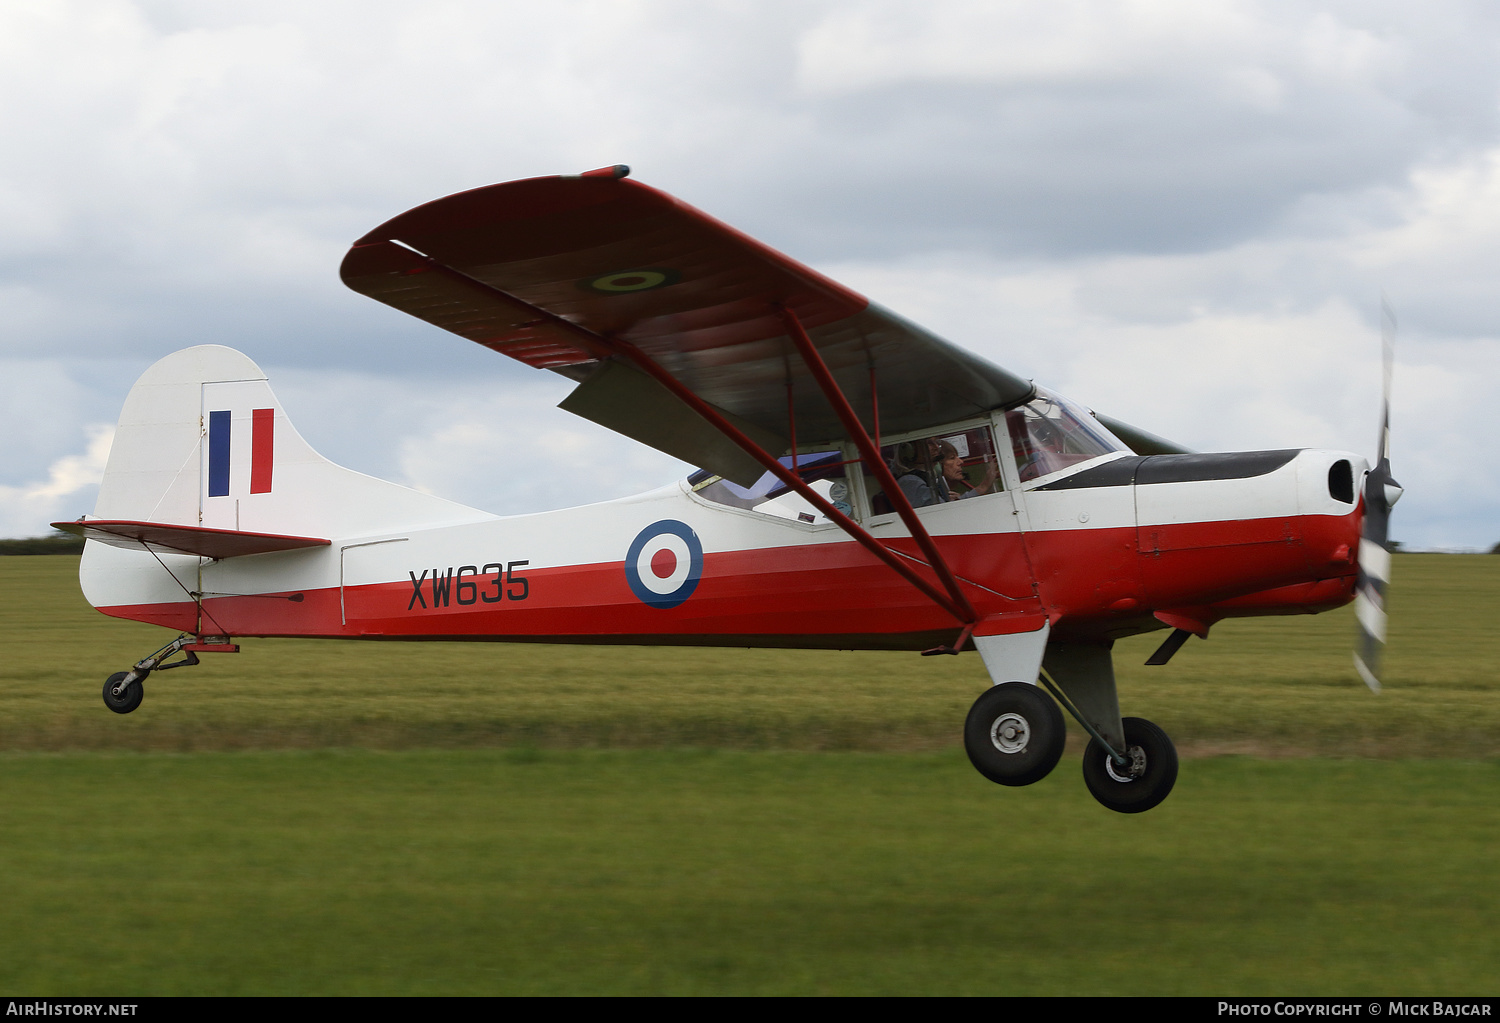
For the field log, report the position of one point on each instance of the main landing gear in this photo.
(124, 690)
(1014, 735)
(1144, 780)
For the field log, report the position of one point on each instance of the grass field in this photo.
(1279, 686)
(321, 817)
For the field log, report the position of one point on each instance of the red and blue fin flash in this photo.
(262, 451)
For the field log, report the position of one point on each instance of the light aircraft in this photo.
(864, 485)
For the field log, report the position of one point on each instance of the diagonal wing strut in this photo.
(871, 454)
(952, 602)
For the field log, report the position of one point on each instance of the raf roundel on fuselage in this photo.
(664, 563)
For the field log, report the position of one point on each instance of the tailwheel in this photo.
(1144, 780)
(123, 691)
(123, 697)
(1014, 734)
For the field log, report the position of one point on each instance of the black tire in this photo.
(127, 701)
(1014, 734)
(1143, 785)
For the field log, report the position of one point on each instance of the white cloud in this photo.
(1270, 343)
(1065, 41)
(527, 456)
(495, 442)
(67, 492)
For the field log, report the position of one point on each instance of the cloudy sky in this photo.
(1180, 212)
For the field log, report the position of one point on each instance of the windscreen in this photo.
(1050, 433)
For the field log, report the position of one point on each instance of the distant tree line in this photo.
(57, 543)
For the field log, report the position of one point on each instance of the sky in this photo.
(1181, 213)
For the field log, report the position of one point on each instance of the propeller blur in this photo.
(1381, 492)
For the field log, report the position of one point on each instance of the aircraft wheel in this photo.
(1145, 782)
(127, 701)
(1014, 734)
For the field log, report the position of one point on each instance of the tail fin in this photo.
(203, 443)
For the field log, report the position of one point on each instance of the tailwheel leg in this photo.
(1146, 777)
(123, 691)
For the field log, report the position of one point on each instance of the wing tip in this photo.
(614, 171)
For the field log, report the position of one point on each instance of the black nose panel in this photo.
(1138, 470)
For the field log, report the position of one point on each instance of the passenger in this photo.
(915, 482)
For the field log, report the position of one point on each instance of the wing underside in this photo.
(544, 269)
(558, 272)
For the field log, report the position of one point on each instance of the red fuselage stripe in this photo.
(1090, 582)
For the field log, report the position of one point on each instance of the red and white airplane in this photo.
(865, 485)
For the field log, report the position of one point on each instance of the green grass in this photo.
(700, 872)
(382, 818)
(1276, 686)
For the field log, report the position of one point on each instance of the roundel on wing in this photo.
(623, 281)
(664, 563)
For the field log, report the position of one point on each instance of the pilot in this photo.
(955, 482)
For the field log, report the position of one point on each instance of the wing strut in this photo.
(959, 608)
(871, 454)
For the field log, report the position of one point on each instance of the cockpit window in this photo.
(940, 469)
(824, 471)
(1050, 433)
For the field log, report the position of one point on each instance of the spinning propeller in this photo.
(1381, 494)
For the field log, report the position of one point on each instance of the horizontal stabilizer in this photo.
(206, 543)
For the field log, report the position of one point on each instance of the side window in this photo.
(824, 471)
(939, 469)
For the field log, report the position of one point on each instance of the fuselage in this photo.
(1111, 546)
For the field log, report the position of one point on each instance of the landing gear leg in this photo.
(1130, 764)
(1014, 734)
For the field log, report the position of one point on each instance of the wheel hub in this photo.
(1132, 770)
(1010, 733)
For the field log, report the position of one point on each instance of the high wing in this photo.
(557, 272)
